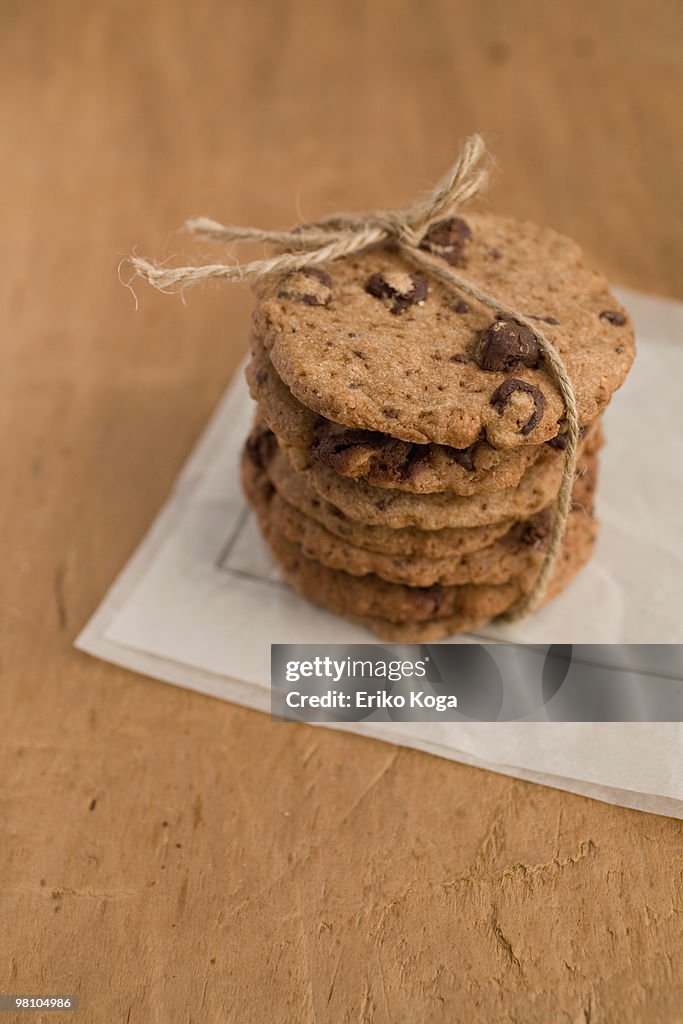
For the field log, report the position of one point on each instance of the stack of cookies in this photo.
(409, 445)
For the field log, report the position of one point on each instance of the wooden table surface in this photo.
(172, 858)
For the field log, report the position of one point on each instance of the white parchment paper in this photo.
(200, 602)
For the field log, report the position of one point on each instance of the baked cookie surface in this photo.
(374, 344)
(381, 507)
(408, 542)
(377, 602)
(518, 552)
(380, 459)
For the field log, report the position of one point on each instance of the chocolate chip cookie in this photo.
(518, 553)
(571, 559)
(377, 602)
(377, 345)
(380, 459)
(263, 450)
(380, 507)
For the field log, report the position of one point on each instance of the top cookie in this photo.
(372, 343)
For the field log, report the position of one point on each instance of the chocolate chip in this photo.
(310, 285)
(398, 288)
(559, 442)
(391, 414)
(495, 254)
(501, 396)
(259, 447)
(613, 316)
(460, 306)
(347, 450)
(434, 596)
(536, 531)
(463, 456)
(335, 444)
(415, 457)
(459, 357)
(400, 460)
(506, 345)
(447, 239)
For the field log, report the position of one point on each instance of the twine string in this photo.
(342, 235)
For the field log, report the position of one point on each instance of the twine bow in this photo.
(344, 234)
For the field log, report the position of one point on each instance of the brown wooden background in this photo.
(172, 858)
